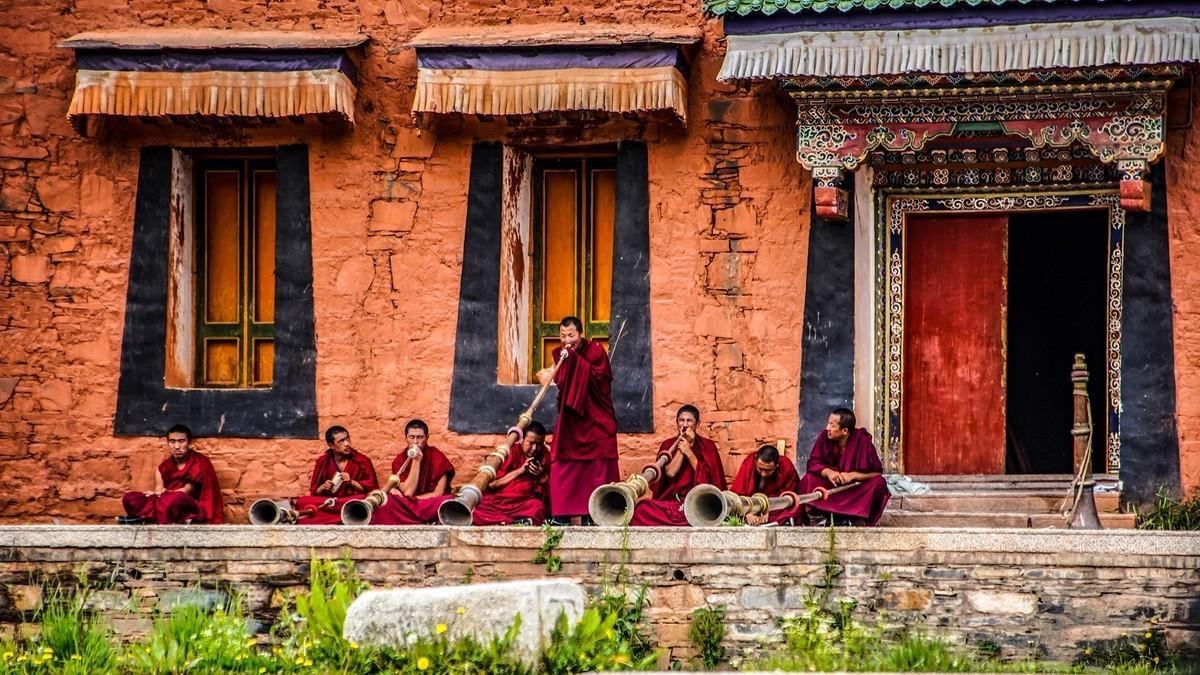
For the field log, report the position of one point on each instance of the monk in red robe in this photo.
(190, 491)
(841, 455)
(768, 472)
(339, 475)
(518, 494)
(425, 476)
(695, 461)
(583, 454)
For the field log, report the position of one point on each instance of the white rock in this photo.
(387, 617)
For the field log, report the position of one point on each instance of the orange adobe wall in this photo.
(1183, 213)
(728, 215)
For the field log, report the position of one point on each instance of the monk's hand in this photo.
(327, 486)
(532, 467)
(753, 519)
(543, 376)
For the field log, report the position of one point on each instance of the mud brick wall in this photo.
(1029, 592)
(728, 229)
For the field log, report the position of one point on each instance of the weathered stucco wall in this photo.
(1027, 592)
(728, 229)
(728, 217)
(1183, 213)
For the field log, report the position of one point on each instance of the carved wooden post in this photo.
(1084, 507)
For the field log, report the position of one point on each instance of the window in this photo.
(574, 217)
(235, 284)
(158, 385)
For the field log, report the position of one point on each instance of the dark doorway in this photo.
(1057, 275)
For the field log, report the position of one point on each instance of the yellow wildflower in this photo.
(461, 610)
(441, 628)
(1149, 635)
(262, 670)
(250, 642)
(47, 650)
(8, 655)
(21, 659)
(422, 663)
(353, 644)
(621, 659)
(75, 657)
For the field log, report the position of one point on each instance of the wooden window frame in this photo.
(547, 328)
(247, 331)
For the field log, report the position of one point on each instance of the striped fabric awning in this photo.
(967, 40)
(503, 73)
(214, 74)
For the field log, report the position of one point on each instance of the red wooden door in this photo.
(954, 305)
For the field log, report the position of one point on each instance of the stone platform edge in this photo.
(676, 543)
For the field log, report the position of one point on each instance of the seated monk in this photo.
(425, 476)
(767, 472)
(696, 461)
(190, 492)
(841, 455)
(518, 494)
(340, 474)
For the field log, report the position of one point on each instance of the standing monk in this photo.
(844, 454)
(425, 476)
(190, 492)
(696, 461)
(769, 473)
(340, 474)
(583, 455)
(518, 495)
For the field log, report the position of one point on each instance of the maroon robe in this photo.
(523, 497)
(748, 482)
(665, 506)
(404, 510)
(583, 454)
(865, 501)
(171, 507)
(359, 467)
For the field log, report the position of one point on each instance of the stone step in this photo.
(1010, 501)
(1003, 482)
(900, 518)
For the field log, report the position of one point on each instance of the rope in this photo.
(1076, 491)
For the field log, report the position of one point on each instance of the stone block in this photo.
(58, 193)
(25, 598)
(484, 611)
(392, 216)
(1002, 602)
(30, 269)
(739, 220)
(906, 599)
(714, 322)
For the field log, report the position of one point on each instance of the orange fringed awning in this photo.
(481, 92)
(216, 93)
(214, 74)
(525, 70)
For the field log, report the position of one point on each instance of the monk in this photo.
(518, 494)
(425, 476)
(695, 461)
(190, 491)
(583, 454)
(339, 475)
(769, 473)
(841, 455)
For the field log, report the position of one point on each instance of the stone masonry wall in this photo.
(728, 205)
(1029, 592)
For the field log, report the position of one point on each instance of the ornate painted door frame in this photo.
(892, 209)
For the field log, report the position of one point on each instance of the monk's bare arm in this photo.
(676, 464)
(408, 488)
(438, 490)
(506, 478)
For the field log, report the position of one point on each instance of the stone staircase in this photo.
(1031, 501)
